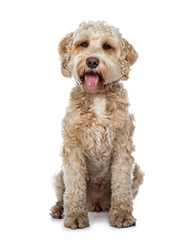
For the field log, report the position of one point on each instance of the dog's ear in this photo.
(128, 58)
(129, 52)
(64, 50)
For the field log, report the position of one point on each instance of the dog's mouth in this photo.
(91, 78)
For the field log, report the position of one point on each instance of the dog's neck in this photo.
(114, 96)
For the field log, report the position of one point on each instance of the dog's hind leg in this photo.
(137, 179)
(57, 209)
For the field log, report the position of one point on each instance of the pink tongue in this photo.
(91, 80)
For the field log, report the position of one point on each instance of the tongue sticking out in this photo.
(91, 79)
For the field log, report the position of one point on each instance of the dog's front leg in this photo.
(121, 196)
(75, 194)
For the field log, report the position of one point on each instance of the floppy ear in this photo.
(128, 58)
(64, 50)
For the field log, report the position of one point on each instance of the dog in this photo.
(99, 172)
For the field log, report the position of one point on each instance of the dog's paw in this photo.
(74, 222)
(122, 220)
(57, 210)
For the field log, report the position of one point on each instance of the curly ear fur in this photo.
(64, 50)
(128, 58)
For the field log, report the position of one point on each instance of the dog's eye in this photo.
(106, 46)
(84, 44)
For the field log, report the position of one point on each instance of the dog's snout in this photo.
(92, 62)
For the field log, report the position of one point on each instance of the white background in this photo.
(33, 98)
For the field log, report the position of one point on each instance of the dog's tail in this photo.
(138, 176)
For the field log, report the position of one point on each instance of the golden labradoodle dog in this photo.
(99, 172)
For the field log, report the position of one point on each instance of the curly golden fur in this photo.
(99, 172)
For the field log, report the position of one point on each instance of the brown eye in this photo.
(106, 46)
(84, 44)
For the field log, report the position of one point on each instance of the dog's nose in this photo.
(92, 62)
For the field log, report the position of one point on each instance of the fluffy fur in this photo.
(99, 172)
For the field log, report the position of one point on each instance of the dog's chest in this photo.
(99, 107)
(98, 136)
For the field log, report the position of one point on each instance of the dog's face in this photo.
(96, 56)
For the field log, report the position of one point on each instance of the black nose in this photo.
(92, 62)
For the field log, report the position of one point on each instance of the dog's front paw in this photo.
(76, 221)
(122, 219)
(57, 210)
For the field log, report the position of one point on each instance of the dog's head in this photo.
(96, 55)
